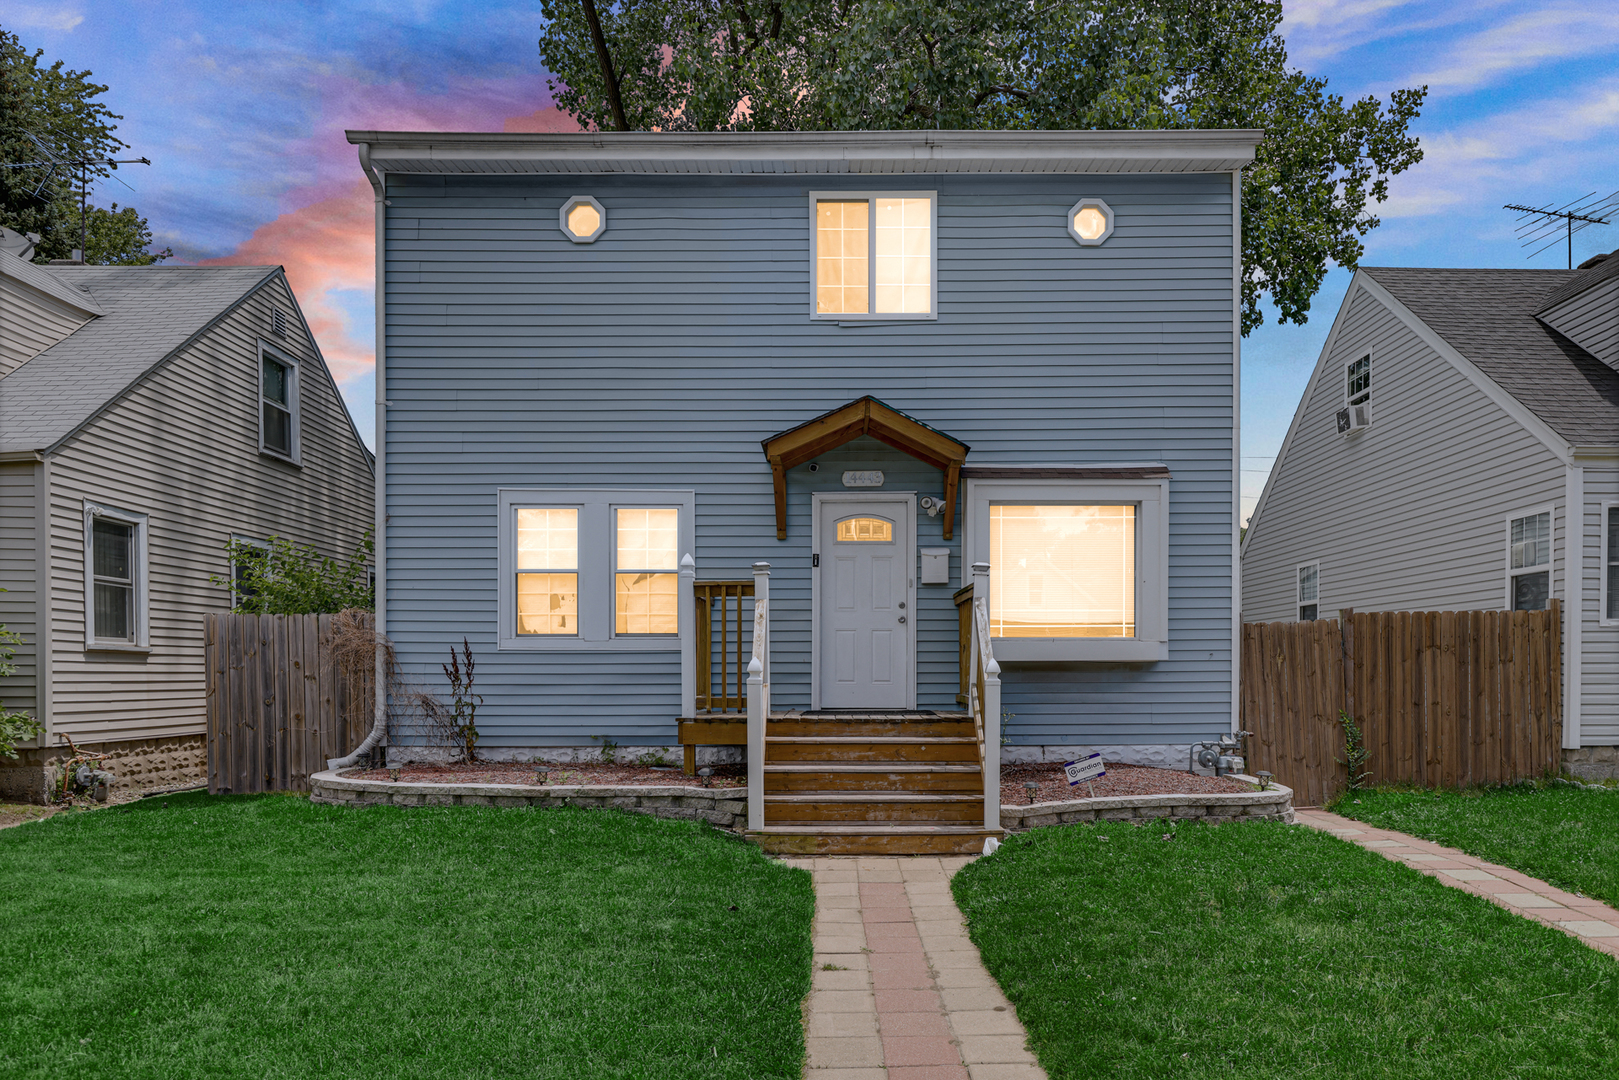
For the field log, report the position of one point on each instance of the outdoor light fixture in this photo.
(1264, 779)
(1031, 787)
(1090, 222)
(541, 776)
(393, 774)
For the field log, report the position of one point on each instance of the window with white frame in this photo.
(1529, 561)
(1611, 559)
(1358, 381)
(592, 568)
(278, 404)
(241, 588)
(1077, 569)
(872, 255)
(114, 578)
(1309, 592)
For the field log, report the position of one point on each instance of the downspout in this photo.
(379, 723)
(1236, 450)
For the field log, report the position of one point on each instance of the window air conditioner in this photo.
(1354, 418)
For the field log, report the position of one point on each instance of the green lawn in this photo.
(1567, 836)
(1266, 950)
(268, 937)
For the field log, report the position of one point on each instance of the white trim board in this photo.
(819, 501)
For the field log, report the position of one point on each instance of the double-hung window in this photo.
(592, 569)
(1610, 559)
(1077, 569)
(1529, 561)
(278, 404)
(872, 255)
(241, 586)
(1309, 592)
(114, 578)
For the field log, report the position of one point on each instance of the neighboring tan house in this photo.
(148, 415)
(1457, 448)
(870, 359)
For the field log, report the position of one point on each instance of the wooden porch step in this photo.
(837, 776)
(870, 748)
(835, 839)
(843, 808)
(931, 729)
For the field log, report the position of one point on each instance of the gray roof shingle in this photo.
(1489, 317)
(150, 312)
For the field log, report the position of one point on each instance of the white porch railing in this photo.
(984, 698)
(758, 695)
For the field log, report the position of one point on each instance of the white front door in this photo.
(864, 629)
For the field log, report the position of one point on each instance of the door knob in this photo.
(902, 618)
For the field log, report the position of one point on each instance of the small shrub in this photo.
(1355, 752)
(15, 727)
(294, 579)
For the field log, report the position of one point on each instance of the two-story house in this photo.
(148, 415)
(618, 371)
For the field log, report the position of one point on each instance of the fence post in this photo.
(687, 616)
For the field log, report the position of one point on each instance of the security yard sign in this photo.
(1084, 771)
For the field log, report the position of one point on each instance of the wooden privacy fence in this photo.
(278, 706)
(1443, 698)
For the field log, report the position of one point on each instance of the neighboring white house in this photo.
(147, 415)
(1453, 420)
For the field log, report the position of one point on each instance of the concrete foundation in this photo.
(1591, 763)
(138, 765)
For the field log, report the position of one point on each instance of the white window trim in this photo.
(838, 503)
(1298, 601)
(1551, 555)
(294, 386)
(253, 541)
(1151, 498)
(1602, 595)
(1371, 365)
(138, 544)
(596, 591)
(871, 256)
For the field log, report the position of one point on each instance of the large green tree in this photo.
(51, 109)
(849, 65)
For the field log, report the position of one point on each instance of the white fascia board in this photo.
(811, 151)
(1514, 408)
(41, 279)
(1298, 413)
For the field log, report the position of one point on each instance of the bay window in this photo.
(1077, 568)
(592, 569)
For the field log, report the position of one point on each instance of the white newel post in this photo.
(758, 695)
(688, 637)
(990, 693)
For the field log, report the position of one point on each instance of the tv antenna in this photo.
(1537, 223)
(52, 160)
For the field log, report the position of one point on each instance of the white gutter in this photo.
(379, 722)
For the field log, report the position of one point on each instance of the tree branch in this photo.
(606, 61)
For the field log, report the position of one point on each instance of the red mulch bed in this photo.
(1120, 780)
(501, 772)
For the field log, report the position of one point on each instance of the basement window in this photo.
(872, 255)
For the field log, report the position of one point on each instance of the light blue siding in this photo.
(663, 353)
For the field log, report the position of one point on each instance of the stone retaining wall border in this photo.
(1275, 802)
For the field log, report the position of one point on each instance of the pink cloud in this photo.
(325, 238)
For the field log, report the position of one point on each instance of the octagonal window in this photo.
(582, 219)
(1090, 222)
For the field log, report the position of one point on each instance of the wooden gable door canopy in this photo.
(865, 416)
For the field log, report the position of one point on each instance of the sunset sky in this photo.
(242, 107)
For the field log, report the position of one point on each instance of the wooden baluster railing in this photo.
(984, 697)
(963, 599)
(714, 694)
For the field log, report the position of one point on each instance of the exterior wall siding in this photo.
(1410, 513)
(19, 612)
(33, 322)
(662, 354)
(1599, 651)
(1591, 320)
(182, 447)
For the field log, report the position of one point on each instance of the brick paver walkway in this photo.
(1592, 921)
(899, 990)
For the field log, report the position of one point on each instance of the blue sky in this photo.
(241, 108)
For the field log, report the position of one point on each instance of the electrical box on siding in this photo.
(935, 566)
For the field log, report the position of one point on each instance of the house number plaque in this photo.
(854, 478)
